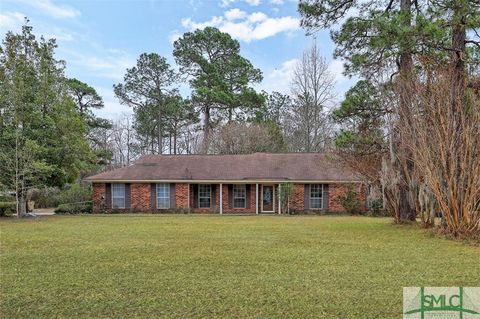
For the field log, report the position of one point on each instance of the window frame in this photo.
(115, 197)
(157, 187)
(204, 197)
(244, 197)
(316, 198)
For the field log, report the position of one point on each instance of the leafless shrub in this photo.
(245, 138)
(445, 146)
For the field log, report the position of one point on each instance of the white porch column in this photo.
(221, 198)
(279, 202)
(256, 199)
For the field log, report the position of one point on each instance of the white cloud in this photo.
(257, 17)
(174, 35)
(59, 35)
(336, 69)
(52, 9)
(280, 78)
(112, 107)
(235, 14)
(188, 23)
(110, 64)
(256, 26)
(277, 2)
(226, 3)
(112, 67)
(11, 21)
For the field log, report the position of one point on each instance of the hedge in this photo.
(74, 208)
(7, 208)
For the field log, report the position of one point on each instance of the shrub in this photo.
(7, 208)
(45, 197)
(74, 208)
(75, 193)
(350, 201)
(376, 208)
(172, 211)
(7, 198)
(53, 196)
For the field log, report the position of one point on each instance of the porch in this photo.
(258, 198)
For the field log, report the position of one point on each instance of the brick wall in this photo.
(140, 195)
(225, 197)
(338, 190)
(140, 198)
(98, 197)
(181, 196)
(298, 200)
(226, 201)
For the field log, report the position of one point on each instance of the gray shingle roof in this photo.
(256, 167)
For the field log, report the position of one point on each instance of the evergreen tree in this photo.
(219, 76)
(41, 135)
(147, 88)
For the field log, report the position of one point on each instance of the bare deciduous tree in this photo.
(307, 125)
(446, 153)
(245, 138)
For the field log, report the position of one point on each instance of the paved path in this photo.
(44, 211)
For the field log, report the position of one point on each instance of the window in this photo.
(316, 196)
(239, 196)
(163, 196)
(118, 195)
(204, 195)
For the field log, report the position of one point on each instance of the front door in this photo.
(268, 196)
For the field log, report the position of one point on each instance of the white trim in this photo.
(221, 198)
(279, 202)
(273, 199)
(256, 198)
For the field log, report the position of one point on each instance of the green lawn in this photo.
(184, 266)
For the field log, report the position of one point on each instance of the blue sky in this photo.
(99, 39)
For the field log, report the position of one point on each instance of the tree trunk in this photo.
(206, 130)
(457, 91)
(175, 133)
(405, 209)
(21, 199)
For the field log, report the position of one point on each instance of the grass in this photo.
(176, 266)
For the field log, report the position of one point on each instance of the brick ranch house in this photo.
(225, 184)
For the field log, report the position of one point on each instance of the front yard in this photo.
(185, 266)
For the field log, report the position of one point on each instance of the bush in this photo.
(53, 196)
(45, 197)
(7, 198)
(7, 208)
(75, 193)
(350, 201)
(74, 208)
(376, 209)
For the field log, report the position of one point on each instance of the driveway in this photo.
(44, 211)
